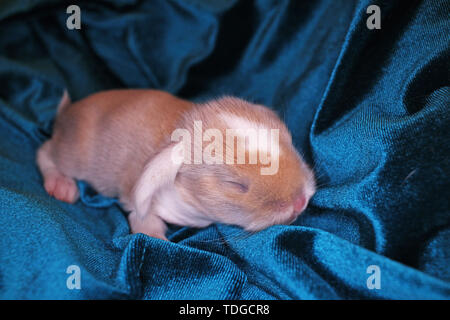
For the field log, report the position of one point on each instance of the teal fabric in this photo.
(368, 108)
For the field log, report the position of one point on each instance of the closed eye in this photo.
(241, 187)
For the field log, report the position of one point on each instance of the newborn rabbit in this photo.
(137, 145)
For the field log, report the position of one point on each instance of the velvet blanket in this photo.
(367, 107)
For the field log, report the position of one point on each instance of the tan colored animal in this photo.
(120, 143)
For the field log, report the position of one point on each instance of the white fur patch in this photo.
(236, 122)
(249, 130)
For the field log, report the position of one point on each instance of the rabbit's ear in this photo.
(159, 172)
